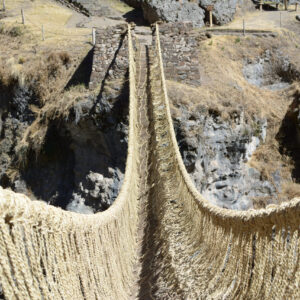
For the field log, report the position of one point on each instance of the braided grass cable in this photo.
(48, 253)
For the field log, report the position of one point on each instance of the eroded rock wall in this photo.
(216, 152)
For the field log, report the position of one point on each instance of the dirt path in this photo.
(267, 20)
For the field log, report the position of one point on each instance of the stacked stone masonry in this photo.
(110, 55)
(179, 46)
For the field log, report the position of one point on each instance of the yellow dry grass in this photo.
(52, 16)
(27, 53)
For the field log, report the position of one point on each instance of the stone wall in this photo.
(179, 48)
(110, 54)
(180, 45)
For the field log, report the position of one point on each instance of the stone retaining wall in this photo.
(179, 44)
(110, 54)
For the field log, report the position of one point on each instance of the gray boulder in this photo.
(173, 11)
(170, 11)
(298, 17)
(185, 10)
(224, 10)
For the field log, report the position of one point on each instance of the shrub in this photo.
(237, 40)
(21, 60)
(65, 57)
(53, 65)
(16, 31)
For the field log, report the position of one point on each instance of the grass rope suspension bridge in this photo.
(191, 249)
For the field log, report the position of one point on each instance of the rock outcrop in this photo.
(186, 10)
(216, 152)
(271, 71)
(173, 11)
(224, 10)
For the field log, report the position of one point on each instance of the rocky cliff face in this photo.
(224, 10)
(173, 11)
(186, 10)
(216, 152)
(81, 163)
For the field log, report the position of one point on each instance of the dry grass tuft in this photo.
(291, 190)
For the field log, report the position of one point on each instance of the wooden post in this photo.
(244, 27)
(94, 36)
(4, 5)
(23, 17)
(280, 20)
(285, 4)
(210, 19)
(43, 33)
(296, 6)
(277, 5)
(210, 9)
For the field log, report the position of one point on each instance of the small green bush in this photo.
(16, 31)
(21, 60)
(237, 40)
